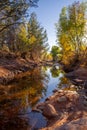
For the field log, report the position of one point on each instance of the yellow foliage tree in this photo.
(71, 31)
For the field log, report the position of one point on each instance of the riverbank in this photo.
(13, 66)
(65, 110)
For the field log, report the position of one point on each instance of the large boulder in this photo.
(49, 111)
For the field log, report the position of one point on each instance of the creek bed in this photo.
(19, 98)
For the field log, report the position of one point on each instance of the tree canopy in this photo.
(55, 51)
(33, 38)
(71, 29)
(11, 11)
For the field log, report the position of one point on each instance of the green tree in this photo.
(33, 38)
(71, 29)
(12, 13)
(37, 37)
(56, 53)
(55, 72)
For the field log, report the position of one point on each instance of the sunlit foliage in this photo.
(12, 14)
(56, 53)
(11, 11)
(71, 31)
(33, 38)
(55, 71)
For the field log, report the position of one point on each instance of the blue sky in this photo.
(48, 13)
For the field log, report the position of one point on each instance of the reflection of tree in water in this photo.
(18, 96)
(9, 115)
(14, 123)
(55, 71)
(64, 83)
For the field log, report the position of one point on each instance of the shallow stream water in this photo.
(18, 98)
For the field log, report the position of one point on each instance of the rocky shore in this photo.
(65, 110)
(13, 66)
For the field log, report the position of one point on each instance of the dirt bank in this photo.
(65, 110)
(80, 73)
(12, 65)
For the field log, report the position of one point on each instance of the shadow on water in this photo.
(17, 99)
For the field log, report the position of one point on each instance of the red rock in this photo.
(80, 124)
(49, 111)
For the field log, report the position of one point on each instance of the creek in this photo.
(18, 98)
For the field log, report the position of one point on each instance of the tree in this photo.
(71, 29)
(13, 11)
(12, 14)
(33, 38)
(55, 72)
(37, 37)
(55, 51)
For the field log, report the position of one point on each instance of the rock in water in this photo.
(49, 111)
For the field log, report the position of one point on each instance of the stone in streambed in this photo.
(49, 111)
(55, 90)
(40, 106)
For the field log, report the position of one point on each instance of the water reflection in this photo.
(55, 71)
(17, 98)
(29, 89)
(64, 83)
